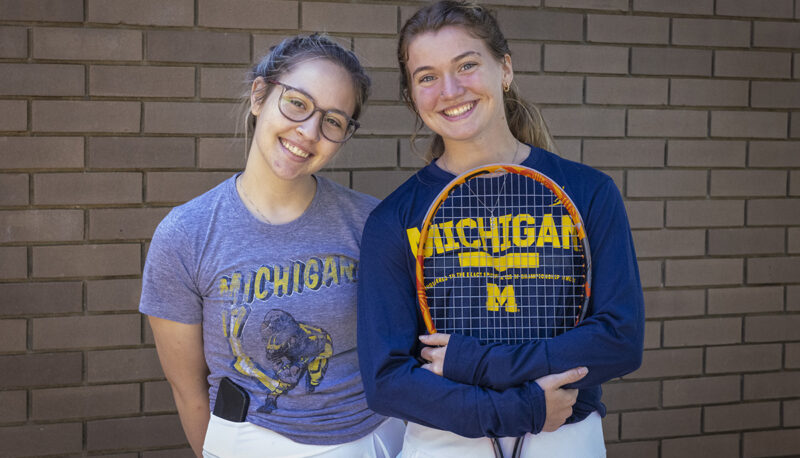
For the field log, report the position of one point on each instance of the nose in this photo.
(451, 86)
(311, 127)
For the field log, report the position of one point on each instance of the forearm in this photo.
(194, 412)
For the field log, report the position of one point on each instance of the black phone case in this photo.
(232, 401)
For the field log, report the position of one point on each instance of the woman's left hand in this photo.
(434, 352)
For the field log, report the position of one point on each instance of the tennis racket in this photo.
(503, 256)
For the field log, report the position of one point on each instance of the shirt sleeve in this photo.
(169, 289)
(395, 384)
(609, 341)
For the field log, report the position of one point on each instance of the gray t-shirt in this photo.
(277, 304)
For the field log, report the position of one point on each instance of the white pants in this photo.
(578, 440)
(227, 439)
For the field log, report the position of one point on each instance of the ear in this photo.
(508, 70)
(257, 95)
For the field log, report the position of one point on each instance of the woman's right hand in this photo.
(559, 400)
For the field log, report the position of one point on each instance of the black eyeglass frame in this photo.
(350, 121)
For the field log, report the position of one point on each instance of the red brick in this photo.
(87, 188)
(123, 365)
(113, 295)
(30, 299)
(588, 122)
(776, 94)
(86, 260)
(652, 335)
(338, 17)
(13, 262)
(772, 328)
(707, 446)
(669, 363)
(141, 12)
(792, 297)
(773, 385)
(651, 273)
(741, 417)
(667, 123)
(791, 413)
(41, 369)
(627, 29)
(643, 214)
(526, 57)
(136, 432)
(662, 183)
(541, 25)
(249, 14)
(670, 61)
(42, 439)
(611, 427)
(705, 213)
(674, 303)
(42, 10)
(792, 356)
(773, 270)
(15, 406)
(139, 81)
(710, 32)
(223, 83)
(758, 8)
(695, 272)
(748, 183)
(660, 423)
(37, 79)
(387, 120)
(87, 44)
(124, 223)
(772, 212)
(86, 331)
(13, 189)
(376, 52)
(189, 118)
(785, 442)
(703, 390)
(748, 124)
(774, 154)
(386, 84)
(342, 178)
(585, 59)
(41, 225)
(669, 243)
(626, 91)
(85, 116)
(614, 5)
(794, 240)
(795, 126)
(13, 336)
(776, 34)
(756, 64)
(41, 152)
(570, 149)
(13, 115)
(360, 153)
(743, 358)
(745, 241)
(707, 331)
(379, 183)
(551, 89)
(221, 153)
(158, 397)
(171, 453)
(675, 6)
(13, 42)
(706, 153)
(633, 449)
(140, 152)
(198, 46)
(85, 401)
(631, 395)
(623, 153)
(713, 92)
(181, 186)
(794, 183)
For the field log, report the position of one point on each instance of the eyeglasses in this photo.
(298, 106)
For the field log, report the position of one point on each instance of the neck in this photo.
(275, 201)
(458, 157)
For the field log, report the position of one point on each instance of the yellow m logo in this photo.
(495, 298)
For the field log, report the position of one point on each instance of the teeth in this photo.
(294, 150)
(460, 110)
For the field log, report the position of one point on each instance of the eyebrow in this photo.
(453, 60)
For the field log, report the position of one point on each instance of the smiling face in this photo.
(289, 150)
(456, 85)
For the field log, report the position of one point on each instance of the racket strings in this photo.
(509, 273)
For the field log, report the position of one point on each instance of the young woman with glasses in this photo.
(250, 288)
(457, 76)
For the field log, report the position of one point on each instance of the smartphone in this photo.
(232, 401)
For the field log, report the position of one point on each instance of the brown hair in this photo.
(524, 119)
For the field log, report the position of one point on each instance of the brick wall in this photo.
(113, 111)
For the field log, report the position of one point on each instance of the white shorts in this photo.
(583, 439)
(227, 439)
